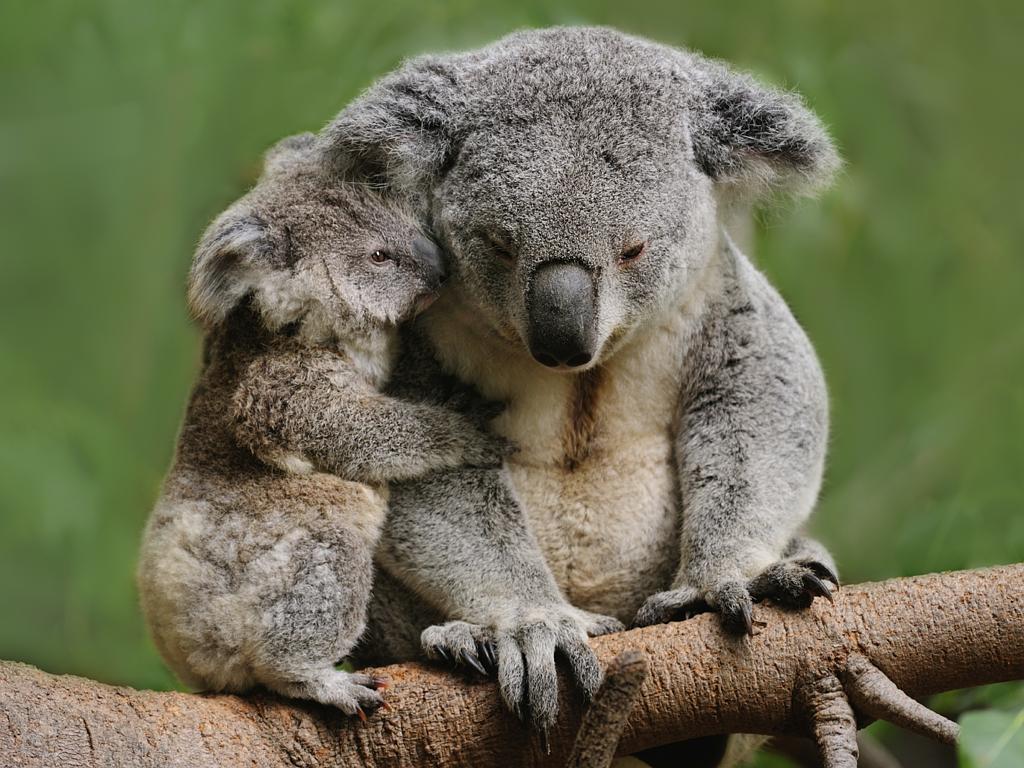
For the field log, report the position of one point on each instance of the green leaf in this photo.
(992, 739)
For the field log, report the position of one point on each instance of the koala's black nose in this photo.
(562, 315)
(427, 254)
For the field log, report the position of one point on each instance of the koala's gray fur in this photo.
(256, 564)
(672, 445)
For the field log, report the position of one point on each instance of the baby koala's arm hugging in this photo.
(302, 408)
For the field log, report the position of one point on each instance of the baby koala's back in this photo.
(230, 534)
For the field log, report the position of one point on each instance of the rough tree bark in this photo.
(820, 672)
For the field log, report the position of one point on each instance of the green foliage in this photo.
(125, 126)
(992, 739)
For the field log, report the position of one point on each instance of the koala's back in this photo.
(229, 536)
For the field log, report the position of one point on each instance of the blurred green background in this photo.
(126, 125)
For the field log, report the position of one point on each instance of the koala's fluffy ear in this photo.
(402, 129)
(232, 257)
(756, 139)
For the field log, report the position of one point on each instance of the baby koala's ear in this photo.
(233, 256)
(755, 139)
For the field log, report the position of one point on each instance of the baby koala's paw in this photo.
(794, 583)
(487, 451)
(470, 403)
(352, 692)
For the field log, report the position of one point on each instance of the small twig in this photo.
(877, 696)
(601, 729)
(832, 723)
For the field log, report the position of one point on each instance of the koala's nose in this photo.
(426, 253)
(562, 315)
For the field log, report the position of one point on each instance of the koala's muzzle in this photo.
(431, 261)
(562, 315)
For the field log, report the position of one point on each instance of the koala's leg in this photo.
(459, 540)
(750, 452)
(263, 582)
(310, 600)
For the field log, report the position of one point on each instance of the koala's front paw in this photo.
(522, 649)
(461, 644)
(791, 583)
(794, 583)
(671, 605)
(597, 624)
(731, 600)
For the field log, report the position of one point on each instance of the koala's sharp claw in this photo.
(443, 653)
(468, 657)
(361, 713)
(544, 743)
(818, 587)
(748, 618)
(822, 571)
(487, 651)
(379, 683)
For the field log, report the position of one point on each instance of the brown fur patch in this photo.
(582, 423)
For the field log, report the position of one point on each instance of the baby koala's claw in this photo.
(361, 713)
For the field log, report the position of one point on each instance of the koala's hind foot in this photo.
(352, 692)
(521, 650)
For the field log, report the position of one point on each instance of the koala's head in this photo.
(308, 246)
(576, 174)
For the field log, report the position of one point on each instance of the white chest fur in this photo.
(595, 470)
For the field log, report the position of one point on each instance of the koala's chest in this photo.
(595, 473)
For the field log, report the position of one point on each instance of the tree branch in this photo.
(798, 676)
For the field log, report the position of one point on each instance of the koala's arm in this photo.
(750, 448)
(458, 539)
(294, 404)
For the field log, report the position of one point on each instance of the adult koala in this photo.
(670, 413)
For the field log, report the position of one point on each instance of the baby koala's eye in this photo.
(632, 253)
(380, 257)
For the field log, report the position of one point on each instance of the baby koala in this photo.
(256, 564)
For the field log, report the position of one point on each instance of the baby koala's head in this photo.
(305, 246)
